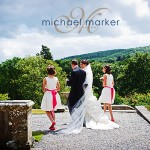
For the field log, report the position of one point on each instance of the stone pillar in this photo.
(64, 96)
(16, 124)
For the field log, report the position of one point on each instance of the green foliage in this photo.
(133, 100)
(63, 100)
(65, 65)
(111, 55)
(127, 78)
(37, 135)
(33, 70)
(148, 107)
(119, 100)
(135, 76)
(117, 69)
(9, 78)
(45, 52)
(97, 73)
(4, 97)
(137, 99)
(22, 78)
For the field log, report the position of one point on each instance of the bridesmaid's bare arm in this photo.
(104, 80)
(58, 86)
(113, 83)
(43, 85)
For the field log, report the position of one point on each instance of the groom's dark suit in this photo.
(76, 81)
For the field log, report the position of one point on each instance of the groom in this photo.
(76, 81)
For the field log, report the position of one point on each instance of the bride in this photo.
(87, 110)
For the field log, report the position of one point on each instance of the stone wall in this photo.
(15, 124)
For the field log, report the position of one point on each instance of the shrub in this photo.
(119, 99)
(4, 97)
(137, 99)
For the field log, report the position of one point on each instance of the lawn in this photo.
(37, 135)
(38, 111)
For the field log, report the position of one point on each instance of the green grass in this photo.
(37, 135)
(38, 111)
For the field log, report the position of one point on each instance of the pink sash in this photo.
(54, 92)
(112, 92)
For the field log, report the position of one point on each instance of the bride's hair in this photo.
(86, 62)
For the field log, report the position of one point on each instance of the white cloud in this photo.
(30, 43)
(21, 32)
(141, 7)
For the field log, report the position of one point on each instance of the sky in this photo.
(22, 33)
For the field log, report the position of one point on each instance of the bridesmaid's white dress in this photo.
(47, 100)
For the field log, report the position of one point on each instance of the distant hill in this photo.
(111, 55)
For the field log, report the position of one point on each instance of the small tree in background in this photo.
(45, 52)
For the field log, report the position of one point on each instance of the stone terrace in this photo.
(133, 134)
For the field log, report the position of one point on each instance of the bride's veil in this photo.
(81, 108)
(93, 107)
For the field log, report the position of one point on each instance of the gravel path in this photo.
(134, 134)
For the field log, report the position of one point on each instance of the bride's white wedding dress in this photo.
(88, 111)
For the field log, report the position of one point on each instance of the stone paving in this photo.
(141, 110)
(133, 134)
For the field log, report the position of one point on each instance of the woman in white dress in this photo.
(108, 93)
(51, 98)
(88, 110)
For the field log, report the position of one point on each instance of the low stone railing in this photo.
(15, 124)
(65, 95)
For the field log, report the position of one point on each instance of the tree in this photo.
(97, 73)
(33, 70)
(65, 65)
(9, 75)
(45, 52)
(135, 77)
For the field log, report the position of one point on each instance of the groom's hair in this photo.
(74, 62)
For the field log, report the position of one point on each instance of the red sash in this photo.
(54, 92)
(112, 92)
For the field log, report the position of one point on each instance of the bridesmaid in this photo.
(51, 98)
(108, 92)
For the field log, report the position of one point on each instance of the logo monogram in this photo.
(77, 21)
